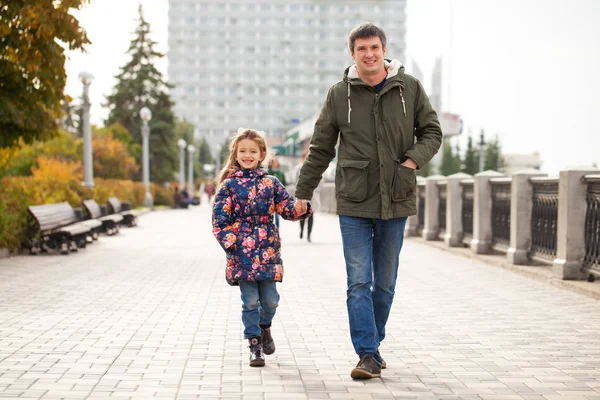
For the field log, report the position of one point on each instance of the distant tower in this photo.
(416, 71)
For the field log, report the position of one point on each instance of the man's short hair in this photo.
(363, 31)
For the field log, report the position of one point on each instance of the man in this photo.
(387, 128)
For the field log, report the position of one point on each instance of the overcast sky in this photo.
(526, 70)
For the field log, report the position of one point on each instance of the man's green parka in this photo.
(377, 132)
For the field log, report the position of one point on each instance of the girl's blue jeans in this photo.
(371, 250)
(259, 303)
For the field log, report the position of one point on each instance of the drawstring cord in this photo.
(403, 102)
(349, 105)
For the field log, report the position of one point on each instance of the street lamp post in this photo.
(181, 144)
(191, 149)
(481, 152)
(146, 116)
(88, 164)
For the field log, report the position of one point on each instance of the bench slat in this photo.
(53, 216)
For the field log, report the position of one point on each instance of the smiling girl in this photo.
(242, 221)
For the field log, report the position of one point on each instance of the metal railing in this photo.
(442, 190)
(501, 188)
(467, 208)
(544, 217)
(421, 207)
(592, 225)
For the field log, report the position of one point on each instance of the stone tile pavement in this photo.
(147, 314)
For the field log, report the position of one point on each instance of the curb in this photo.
(539, 272)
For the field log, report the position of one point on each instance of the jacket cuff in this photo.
(413, 155)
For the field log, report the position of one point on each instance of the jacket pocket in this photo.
(353, 184)
(404, 183)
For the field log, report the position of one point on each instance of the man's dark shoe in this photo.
(383, 364)
(257, 358)
(366, 368)
(267, 341)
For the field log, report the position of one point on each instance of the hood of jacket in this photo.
(395, 71)
(394, 68)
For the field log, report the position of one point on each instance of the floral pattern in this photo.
(244, 226)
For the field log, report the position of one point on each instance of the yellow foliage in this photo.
(54, 169)
(7, 155)
(112, 159)
(20, 192)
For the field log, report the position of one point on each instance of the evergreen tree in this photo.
(204, 155)
(493, 156)
(448, 165)
(140, 84)
(457, 165)
(185, 130)
(224, 153)
(426, 170)
(470, 163)
(70, 120)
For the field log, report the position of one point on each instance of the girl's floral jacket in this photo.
(243, 224)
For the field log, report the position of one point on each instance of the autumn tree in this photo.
(64, 147)
(140, 84)
(111, 157)
(34, 35)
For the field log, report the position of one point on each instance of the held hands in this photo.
(301, 206)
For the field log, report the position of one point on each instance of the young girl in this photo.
(246, 200)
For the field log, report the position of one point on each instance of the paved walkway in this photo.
(147, 314)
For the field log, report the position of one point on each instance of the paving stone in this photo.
(147, 314)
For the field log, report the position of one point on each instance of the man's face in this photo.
(369, 55)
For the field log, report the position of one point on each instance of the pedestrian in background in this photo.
(315, 202)
(273, 169)
(242, 219)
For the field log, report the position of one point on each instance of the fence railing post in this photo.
(570, 234)
(431, 229)
(482, 211)
(521, 203)
(454, 231)
(412, 222)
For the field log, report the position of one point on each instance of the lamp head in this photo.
(86, 78)
(145, 114)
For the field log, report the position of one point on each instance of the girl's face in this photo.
(248, 154)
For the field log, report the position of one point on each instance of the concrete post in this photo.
(521, 203)
(570, 233)
(453, 238)
(413, 221)
(482, 211)
(431, 229)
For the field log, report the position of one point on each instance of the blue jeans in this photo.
(276, 220)
(371, 250)
(259, 303)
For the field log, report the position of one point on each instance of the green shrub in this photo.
(20, 192)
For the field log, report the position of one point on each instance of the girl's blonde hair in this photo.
(242, 133)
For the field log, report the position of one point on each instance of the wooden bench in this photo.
(129, 216)
(56, 226)
(110, 223)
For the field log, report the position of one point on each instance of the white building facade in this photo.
(265, 64)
